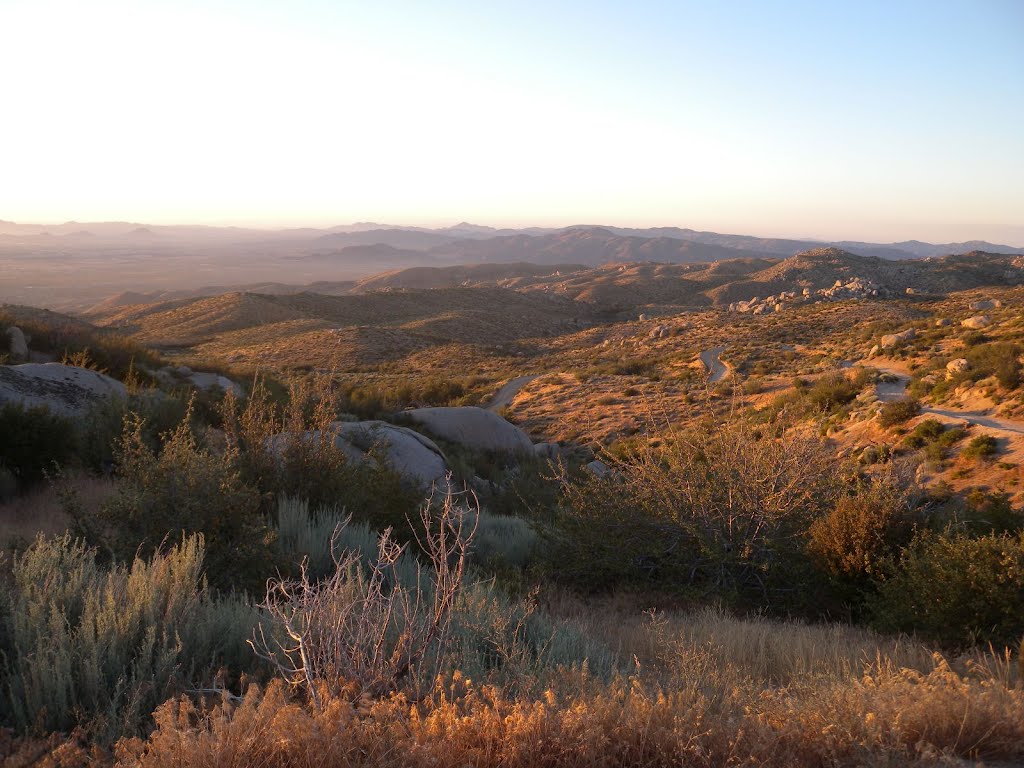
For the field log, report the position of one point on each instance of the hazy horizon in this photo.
(874, 122)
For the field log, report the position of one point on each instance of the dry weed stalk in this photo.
(372, 625)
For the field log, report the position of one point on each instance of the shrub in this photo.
(831, 391)
(862, 530)
(290, 451)
(184, 488)
(718, 509)
(381, 625)
(34, 442)
(898, 412)
(999, 359)
(99, 648)
(980, 447)
(956, 590)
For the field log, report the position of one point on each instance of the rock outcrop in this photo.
(854, 288)
(474, 428)
(65, 389)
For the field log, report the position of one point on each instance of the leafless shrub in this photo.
(373, 627)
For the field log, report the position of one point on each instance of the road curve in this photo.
(504, 396)
(897, 390)
(713, 364)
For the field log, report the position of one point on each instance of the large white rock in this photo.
(416, 458)
(64, 389)
(472, 427)
(895, 339)
(413, 456)
(17, 346)
(976, 322)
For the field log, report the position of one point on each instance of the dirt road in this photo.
(713, 364)
(504, 396)
(897, 390)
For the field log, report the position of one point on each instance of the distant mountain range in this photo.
(471, 243)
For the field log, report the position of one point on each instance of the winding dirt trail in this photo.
(713, 364)
(897, 390)
(504, 396)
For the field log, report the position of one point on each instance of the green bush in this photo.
(34, 442)
(831, 391)
(999, 359)
(99, 648)
(898, 412)
(956, 590)
(981, 447)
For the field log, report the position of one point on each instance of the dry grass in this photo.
(887, 716)
(714, 690)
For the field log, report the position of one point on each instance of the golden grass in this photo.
(716, 691)
(888, 717)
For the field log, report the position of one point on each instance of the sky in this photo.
(863, 120)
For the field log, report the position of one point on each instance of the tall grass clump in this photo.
(99, 647)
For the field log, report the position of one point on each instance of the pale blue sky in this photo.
(866, 120)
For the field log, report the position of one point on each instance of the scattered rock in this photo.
(17, 346)
(943, 322)
(472, 427)
(65, 389)
(978, 306)
(597, 468)
(874, 351)
(976, 322)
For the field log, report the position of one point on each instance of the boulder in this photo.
(210, 381)
(943, 322)
(959, 365)
(895, 339)
(474, 428)
(17, 346)
(413, 456)
(978, 306)
(65, 389)
(597, 468)
(548, 451)
(976, 322)
(416, 458)
(875, 349)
